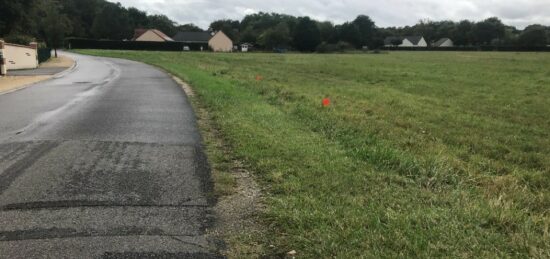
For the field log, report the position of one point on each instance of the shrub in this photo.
(19, 39)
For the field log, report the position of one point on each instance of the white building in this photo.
(444, 43)
(409, 41)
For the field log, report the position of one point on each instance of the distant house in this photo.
(408, 41)
(444, 42)
(218, 41)
(150, 35)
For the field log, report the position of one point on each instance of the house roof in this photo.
(195, 37)
(441, 41)
(389, 40)
(414, 39)
(139, 32)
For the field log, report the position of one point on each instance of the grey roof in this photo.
(190, 36)
(414, 39)
(440, 42)
(389, 40)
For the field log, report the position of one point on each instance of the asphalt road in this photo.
(102, 162)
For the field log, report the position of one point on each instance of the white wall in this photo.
(447, 43)
(406, 43)
(20, 57)
(422, 43)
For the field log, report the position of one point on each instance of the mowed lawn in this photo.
(421, 154)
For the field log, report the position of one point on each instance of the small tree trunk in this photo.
(55, 51)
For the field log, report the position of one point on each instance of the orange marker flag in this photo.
(326, 102)
(259, 78)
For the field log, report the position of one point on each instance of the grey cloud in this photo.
(385, 13)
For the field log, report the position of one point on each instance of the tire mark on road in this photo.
(15, 170)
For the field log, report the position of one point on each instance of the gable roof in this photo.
(162, 35)
(441, 41)
(139, 32)
(414, 39)
(193, 37)
(389, 40)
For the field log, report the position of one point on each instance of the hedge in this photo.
(477, 48)
(44, 54)
(133, 45)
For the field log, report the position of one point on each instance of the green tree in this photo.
(306, 35)
(489, 30)
(55, 25)
(328, 32)
(231, 28)
(462, 33)
(348, 32)
(533, 35)
(162, 23)
(112, 23)
(138, 18)
(189, 27)
(277, 37)
(367, 31)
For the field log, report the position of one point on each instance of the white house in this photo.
(408, 41)
(443, 43)
(414, 41)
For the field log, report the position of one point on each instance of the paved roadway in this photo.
(103, 162)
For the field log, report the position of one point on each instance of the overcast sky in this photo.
(384, 12)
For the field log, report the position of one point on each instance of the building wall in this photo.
(406, 43)
(20, 57)
(422, 43)
(221, 43)
(150, 36)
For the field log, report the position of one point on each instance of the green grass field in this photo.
(420, 155)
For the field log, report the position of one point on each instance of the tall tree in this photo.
(366, 29)
(462, 33)
(112, 23)
(162, 23)
(138, 18)
(328, 32)
(55, 25)
(533, 35)
(489, 30)
(229, 27)
(306, 35)
(189, 27)
(348, 32)
(277, 37)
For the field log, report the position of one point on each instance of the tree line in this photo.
(52, 20)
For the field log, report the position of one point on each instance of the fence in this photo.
(134, 45)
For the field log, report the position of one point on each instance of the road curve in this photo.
(102, 162)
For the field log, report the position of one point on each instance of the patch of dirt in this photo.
(60, 61)
(11, 83)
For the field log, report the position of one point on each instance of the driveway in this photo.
(103, 162)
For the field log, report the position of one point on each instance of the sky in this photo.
(519, 13)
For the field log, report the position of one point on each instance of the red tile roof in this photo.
(139, 32)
